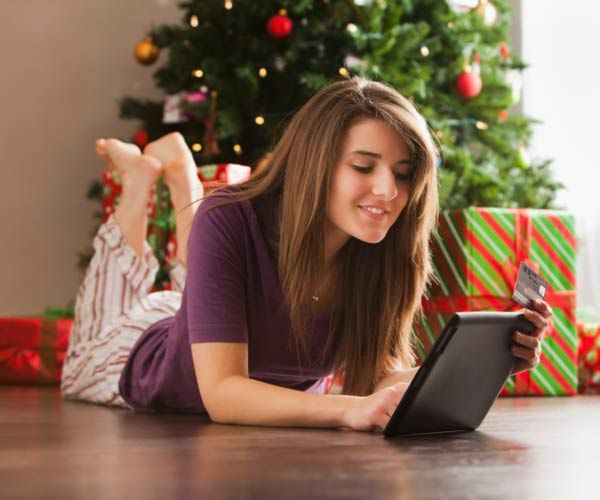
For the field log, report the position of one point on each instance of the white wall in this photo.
(65, 63)
(560, 40)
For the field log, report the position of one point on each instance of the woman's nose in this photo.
(384, 184)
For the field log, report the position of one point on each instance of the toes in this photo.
(175, 137)
(101, 150)
(152, 161)
(101, 146)
(115, 147)
(168, 147)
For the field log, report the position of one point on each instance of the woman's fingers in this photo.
(530, 355)
(526, 340)
(543, 308)
(380, 423)
(391, 407)
(528, 347)
(536, 318)
(392, 397)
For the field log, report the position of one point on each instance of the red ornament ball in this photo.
(140, 139)
(469, 84)
(279, 26)
(504, 51)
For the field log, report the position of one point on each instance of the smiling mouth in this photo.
(374, 210)
(378, 215)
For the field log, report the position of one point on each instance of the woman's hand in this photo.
(528, 347)
(372, 413)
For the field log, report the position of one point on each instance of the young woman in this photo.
(314, 265)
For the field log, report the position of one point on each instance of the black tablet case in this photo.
(461, 376)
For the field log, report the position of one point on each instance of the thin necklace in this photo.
(315, 297)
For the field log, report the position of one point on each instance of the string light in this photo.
(343, 71)
(228, 4)
(262, 72)
(194, 21)
(259, 120)
(198, 73)
(481, 125)
(352, 28)
(197, 147)
(424, 51)
(237, 149)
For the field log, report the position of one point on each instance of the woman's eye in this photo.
(402, 177)
(398, 175)
(363, 170)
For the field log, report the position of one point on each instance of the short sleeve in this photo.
(215, 290)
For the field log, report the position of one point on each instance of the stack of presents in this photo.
(476, 254)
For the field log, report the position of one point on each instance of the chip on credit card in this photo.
(529, 286)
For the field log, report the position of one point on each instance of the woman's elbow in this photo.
(218, 405)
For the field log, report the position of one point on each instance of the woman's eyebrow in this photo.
(375, 155)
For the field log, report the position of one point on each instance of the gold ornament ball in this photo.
(146, 52)
(487, 11)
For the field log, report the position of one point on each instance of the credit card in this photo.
(529, 286)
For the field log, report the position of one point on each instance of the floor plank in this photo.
(526, 448)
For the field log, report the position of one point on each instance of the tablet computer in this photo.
(462, 375)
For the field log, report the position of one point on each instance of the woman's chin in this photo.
(371, 237)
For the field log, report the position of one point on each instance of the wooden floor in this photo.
(526, 448)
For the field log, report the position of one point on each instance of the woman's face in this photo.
(370, 185)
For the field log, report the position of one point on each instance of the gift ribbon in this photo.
(522, 244)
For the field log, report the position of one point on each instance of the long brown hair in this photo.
(380, 285)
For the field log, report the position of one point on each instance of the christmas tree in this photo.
(235, 71)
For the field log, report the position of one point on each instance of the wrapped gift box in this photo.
(589, 358)
(32, 350)
(476, 256)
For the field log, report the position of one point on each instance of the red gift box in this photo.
(589, 358)
(227, 173)
(32, 350)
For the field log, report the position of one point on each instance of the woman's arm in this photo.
(230, 396)
(400, 375)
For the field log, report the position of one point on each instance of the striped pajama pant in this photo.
(113, 307)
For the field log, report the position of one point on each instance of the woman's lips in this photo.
(372, 215)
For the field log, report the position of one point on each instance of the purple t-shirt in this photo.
(232, 294)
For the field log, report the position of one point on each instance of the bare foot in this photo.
(135, 169)
(179, 168)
